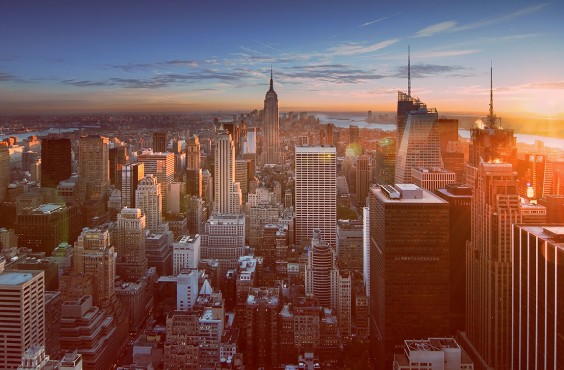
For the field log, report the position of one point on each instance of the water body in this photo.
(24, 135)
(345, 120)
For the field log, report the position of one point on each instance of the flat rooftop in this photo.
(427, 197)
(16, 278)
(48, 208)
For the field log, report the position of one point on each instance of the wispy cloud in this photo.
(489, 21)
(444, 53)
(263, 44)
(8, 77)
(330, 73)
(143, 66)
(428, 70)
(435, 28)
(372, 22)
(355, 48)
(164, 80)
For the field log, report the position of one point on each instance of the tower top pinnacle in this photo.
(271, 81)
(491, 116)
(408, 70)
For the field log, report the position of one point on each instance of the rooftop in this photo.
(17, 278)
(397, 194)
(48, 208)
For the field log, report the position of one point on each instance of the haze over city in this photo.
(143, 56)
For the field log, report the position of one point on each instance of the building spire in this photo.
(408, 71)
(271, 81)
(491, 116)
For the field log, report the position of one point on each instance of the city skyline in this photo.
(179, 57)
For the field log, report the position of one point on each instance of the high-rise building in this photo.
(22, 315)
(420, 144)
(44, 227)
(535, 173)
(495, 207)
(94, 256)
(186, 253)
(56, 162)
(194, 183)
(366, 249)
(325, 282)
(161, 165)
(241, 176)
(271, 127)
(385, 161)
(432, 178)
(489, 142)
(224, 239)
(316, 193)
(262, 335)
(406, 104)
(362, 179)
(227, 191)
(408, 247)
(435, 353)
(193, 153)
(93, 167)
(149, 199)
(130, 174)
(537, 305)
(4, 169)
(459, 198)
(118, 157)
(160, 142)
(131, 262)
(349, 244)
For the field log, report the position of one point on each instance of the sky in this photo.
(179, 56)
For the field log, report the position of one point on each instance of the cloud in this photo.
(444, 53)
(487, 22)
(263, 44)
(435, 28)
(4, 76)
(428, 70)
(141, 66)
(355, 48)
(163, 80)
(557, 85)
(371, 22)
(329, 73)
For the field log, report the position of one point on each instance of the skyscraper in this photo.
(271, 127)
(94, 256)
(93, 167)
(130, 245)
(130, 174)
(118, 157)
(409, 261)
(420, 145)
(227, 191)
(160, 142)
(161, 165)
(22, 315)
(362, 179)
(316, 193)
(4, 169)
(537, 304)
(149, 199)
(490, 142)
(495, 207)
(55, 161)
(193, 153)
(459, 198)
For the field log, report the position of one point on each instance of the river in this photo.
(345, 120)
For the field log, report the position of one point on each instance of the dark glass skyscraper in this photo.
(55, 161)
(409, 274)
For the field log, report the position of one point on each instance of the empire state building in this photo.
(271, 127)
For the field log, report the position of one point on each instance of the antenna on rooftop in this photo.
(408, 71)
